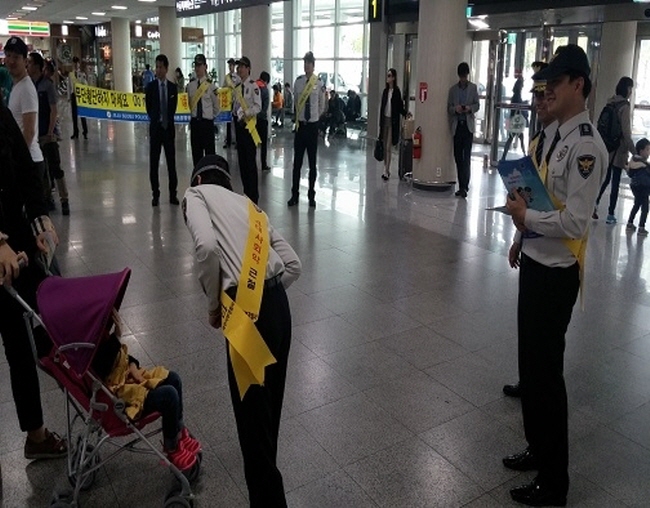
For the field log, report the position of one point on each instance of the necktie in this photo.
(308, 108)
(163, 104)
(199, 106)
(540, 149)
(556, 139)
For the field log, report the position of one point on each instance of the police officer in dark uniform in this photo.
(204, 106)
(549, 278)
(247, 104)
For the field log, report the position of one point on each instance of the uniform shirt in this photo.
(576, 170)
(316, 99)
(24, 99)
(218, 222)
(234, 77)
(252, 97)
(46, 99)
(209, 100)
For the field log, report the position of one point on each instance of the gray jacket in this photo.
(621, 156)
(472, 102)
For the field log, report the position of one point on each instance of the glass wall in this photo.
(208, 47)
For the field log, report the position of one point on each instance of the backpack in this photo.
(609, 125)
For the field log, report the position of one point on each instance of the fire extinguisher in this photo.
(417, 143)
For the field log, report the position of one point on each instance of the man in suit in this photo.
(462, 105)
(161, 97)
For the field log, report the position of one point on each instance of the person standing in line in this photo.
(639, 171)
(76, 75)
(204, 105)
(47, 138)
(231, 80)
(161, 99)
(263, 118)
(287, 99)
(180, 79)
(309, 105)
(391, 110)
(246, 106)
(462, 105)
(549, 275)
(538, 151)
(244, 263)
(277, 105)
(618, 158)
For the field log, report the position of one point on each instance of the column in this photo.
(170, 37)
(377, 67)
(617, 43)
(442, 25)
(122, 67)
(288, 44)
(256, 38)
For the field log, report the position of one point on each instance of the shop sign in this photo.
(101, 31)
(28, 28)
(191, 34)
(186, 8)
(153, 34)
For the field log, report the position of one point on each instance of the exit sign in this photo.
(375, 10)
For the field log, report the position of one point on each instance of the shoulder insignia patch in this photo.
(586, 129)
(257, 91)
(586, 165)
(562, 153)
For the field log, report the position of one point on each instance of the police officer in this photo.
(223, 224)
(537, 150)
(247, 104)
(549, 278)
(204, 105)
(309, 105)
(230, 81)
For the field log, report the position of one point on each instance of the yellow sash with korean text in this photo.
(203, 87)
(302, 100)
(249, 354)
(251, 123)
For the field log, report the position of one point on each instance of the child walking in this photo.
(146, 391)
(639, 171)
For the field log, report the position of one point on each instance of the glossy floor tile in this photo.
(404, 333)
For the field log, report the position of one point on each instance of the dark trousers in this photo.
(201, 139)
(258, 415)
(22, 368)
(247, 158)
(305, 138)
(546, 300)
(75, 126)
(52, 156)
(613, 174)
(511, 138)
(167, 399)
(641, 193)
(463, 154)
(162, 138)
(229, 126)
(263, 130)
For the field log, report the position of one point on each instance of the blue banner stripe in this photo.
(127, 116)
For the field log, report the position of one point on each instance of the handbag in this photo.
(379, 150)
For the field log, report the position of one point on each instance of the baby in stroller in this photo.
(146, 391)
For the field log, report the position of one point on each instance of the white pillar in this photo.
(377, 68)
(256, 38)
(441, 47)
(618, 40)
(170, 37)
(122, 72)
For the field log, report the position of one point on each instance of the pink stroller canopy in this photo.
(78, 309)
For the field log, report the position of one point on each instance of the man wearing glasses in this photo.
(204, 106)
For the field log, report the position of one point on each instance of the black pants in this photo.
(613, 175)
(167, 399)
(263, 130)
(75, 126)
(641, 193)
(463, 154)
(22, 368)
(162, 138)
(201, 139)
(546, 300)
(247, 158)
(229, 126)
(305, 138)
(52, 156)
(258, 415)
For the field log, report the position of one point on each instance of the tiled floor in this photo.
(404, 333)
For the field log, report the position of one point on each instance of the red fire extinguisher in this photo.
(417, 143)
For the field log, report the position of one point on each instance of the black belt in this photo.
(194, 119)
(268, 284)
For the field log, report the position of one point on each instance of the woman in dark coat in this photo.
(392, 107)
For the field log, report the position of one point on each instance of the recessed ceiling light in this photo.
(81, 17)
(98, 13)
(138, 22)
(147, 1)
(30, 8)
(119, 7)
(68, 22)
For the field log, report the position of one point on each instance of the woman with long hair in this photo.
(392, 107)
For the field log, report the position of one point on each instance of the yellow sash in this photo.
(249, 354)
(251, 123)
(229, 81)
(203, 87)
(302, 100)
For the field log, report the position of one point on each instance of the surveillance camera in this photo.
(647, 13)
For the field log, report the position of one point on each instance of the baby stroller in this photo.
(74, 312)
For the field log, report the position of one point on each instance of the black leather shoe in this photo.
(312, 203)
(292, 202)
(522, 461)
(534, 494)
(74, 136)
(154, 202)
(174, 200)
(513, 390)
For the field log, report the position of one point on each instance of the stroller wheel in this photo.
(90, 479)
(193, 474)
(175, 500)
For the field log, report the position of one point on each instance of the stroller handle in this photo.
(22, 263)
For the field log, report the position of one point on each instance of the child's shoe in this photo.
(188, 442)
(183, 459)
(642, 232)
(595, 214)
(610, 219)
(630, 227)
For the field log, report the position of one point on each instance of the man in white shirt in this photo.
(204, 105)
